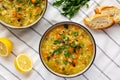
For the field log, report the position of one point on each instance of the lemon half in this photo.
(23, 63)
(5, 46)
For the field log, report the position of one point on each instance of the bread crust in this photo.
(105, 7)
(113, 11)
(88, 22)
(97, 11)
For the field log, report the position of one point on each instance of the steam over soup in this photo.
(21, 13)
(67, 49)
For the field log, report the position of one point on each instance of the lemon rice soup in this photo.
(20, 13)
(67, 49)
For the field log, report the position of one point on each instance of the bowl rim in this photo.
(81, 72)
(30, 25)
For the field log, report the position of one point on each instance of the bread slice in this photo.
(99, 21)
(110, 11)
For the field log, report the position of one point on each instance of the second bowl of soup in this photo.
(21, 13)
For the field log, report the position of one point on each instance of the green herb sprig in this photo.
(70, 7)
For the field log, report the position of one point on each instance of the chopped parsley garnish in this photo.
(75, 34)
(70, 7)
(67, 54)
(57, 42)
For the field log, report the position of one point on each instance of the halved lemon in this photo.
(23, 63)
(5, 46)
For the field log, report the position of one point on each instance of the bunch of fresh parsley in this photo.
(70, 7)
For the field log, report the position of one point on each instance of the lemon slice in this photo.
(5, 46)
(23, 63)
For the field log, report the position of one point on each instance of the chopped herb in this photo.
(70, 7)
(79, 46)
(73, 44)
(19, 8)
(75, 34)
(57, 60)
(37, 2)
(73, 56)
(29, 2)
(58, 3)
(66, 47)
(30, 14)
(67, 54)
(19, 0)
(65, 62)
(87, 5)
(57, 51)
(60, 49)
(57, 42)
(65, 38)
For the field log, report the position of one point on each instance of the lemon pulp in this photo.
(5, 46)
(23, 63)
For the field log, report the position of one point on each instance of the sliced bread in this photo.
(99, 21)
(110, 11)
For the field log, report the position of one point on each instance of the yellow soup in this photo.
(67, 49)
(21, 13)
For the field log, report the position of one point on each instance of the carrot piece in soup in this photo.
(84, 62)
(65, 58)
(37, 10)
(77, 28)
(55, 56)
(58, 36)
(0, 0)
(44, 54)
(43, 2)
(71, 49)
(19, 16)
(77, 51)
(59, 29)
(20, 4)
(14, 13)
(79, 41)
(33, 1)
